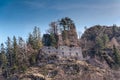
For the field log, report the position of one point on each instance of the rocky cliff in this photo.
(101, 43)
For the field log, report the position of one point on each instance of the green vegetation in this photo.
(63, 32)
(34, 39)
(53, 40)
(117, 56)
(96, 42)
(102, 39)
(18, 55)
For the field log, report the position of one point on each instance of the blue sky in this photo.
(18, 17)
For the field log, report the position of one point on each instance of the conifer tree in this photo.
(14, 47)
(53, 40)
(99, 43)
(22, 58)
(35, 43)
(3, 57)
(105, 39)
(117, 56)
(15, 54)
(34, 39)
(9, 51)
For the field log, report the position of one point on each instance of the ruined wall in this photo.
(64, 51)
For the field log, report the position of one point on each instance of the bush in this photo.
(32, 59)
(23, 68)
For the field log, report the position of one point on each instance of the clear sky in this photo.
(18, 17)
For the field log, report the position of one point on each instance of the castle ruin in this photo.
(66, 40)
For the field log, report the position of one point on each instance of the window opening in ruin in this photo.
(76, 54)
(49, 51)
(63, 53)
(70, 53)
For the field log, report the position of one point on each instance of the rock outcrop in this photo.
(98, 42)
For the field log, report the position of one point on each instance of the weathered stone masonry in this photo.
(64, 51)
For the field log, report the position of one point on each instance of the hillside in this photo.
(67, 70)
(101, 43)
(60, 55)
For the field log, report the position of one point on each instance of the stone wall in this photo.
(64, 51)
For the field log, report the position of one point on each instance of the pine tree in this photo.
(117, 56)
(3, 58)
(34, 44)
(22, 58)
(99, 43)
(21, 46)
(53, 40)
(34, 39)
(99, 46)
(15, 54)
(37, 38)
(105, 39)
(114, 28)
(9, 54)
(4, 61)
(14, 48)
(66, 22)
(9, 51)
